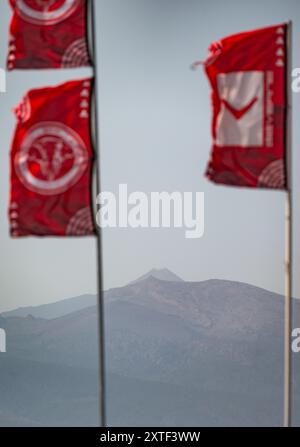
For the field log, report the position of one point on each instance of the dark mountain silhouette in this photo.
(178, 353)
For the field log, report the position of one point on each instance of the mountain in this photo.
(178, 354)
(54, 310)
(69, 305)
(162, 274)
(37, 394)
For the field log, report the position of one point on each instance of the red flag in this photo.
(48, 34)
(51, 163)
(247, 73)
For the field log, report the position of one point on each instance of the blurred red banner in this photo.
(52, 161)
(247, 73)
(48, 34)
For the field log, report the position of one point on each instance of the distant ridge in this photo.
(54, 310)
(208, 353)
(161, 274)
(69, 305)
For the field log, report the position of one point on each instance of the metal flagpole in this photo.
(101, 329)
(289, 244)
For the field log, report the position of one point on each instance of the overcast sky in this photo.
(155, 136)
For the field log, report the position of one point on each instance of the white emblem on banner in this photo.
(81, 223)
(273, 175)
(52, 158)
(241, 119)
(23, 110)
(45, 12)
(76, 55)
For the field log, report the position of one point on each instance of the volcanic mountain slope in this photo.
(45, 394)
(69, 305)
(178, 353)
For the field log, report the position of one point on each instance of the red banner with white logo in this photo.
(48, 34)
(51, 163)
(247, 73)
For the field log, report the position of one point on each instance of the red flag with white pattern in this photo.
(48, 34)
(247, 73)
(51, 163)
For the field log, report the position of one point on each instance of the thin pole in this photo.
(289, 245)
(101, 328)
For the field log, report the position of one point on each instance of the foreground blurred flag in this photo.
(48, 34)
(51, 163)
(247, 73)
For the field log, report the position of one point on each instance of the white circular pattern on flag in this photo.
(45, 12)
(81, 224)
(273, 175)
(52, 158)
(76, 55)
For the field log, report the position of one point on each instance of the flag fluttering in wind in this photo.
(53, 152)
(48, 34)
(51, 163)
(247, 73)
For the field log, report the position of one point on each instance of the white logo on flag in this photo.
(81, 223)
(76, 55)
(45, 12)
(241, 118)
(23, 110)
(52, 158)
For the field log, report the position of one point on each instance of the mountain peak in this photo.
(161, 274)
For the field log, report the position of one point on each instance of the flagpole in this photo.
(101, 329)
(288, 245)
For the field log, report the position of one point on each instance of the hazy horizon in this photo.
(158, 274)
(155, 119)
(197, 353)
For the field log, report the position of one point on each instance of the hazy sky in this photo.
(155, 136)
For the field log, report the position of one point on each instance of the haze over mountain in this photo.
(54, 310)
(162, 274)
(69, 305)
(178, 354)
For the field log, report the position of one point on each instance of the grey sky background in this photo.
(155, 136)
